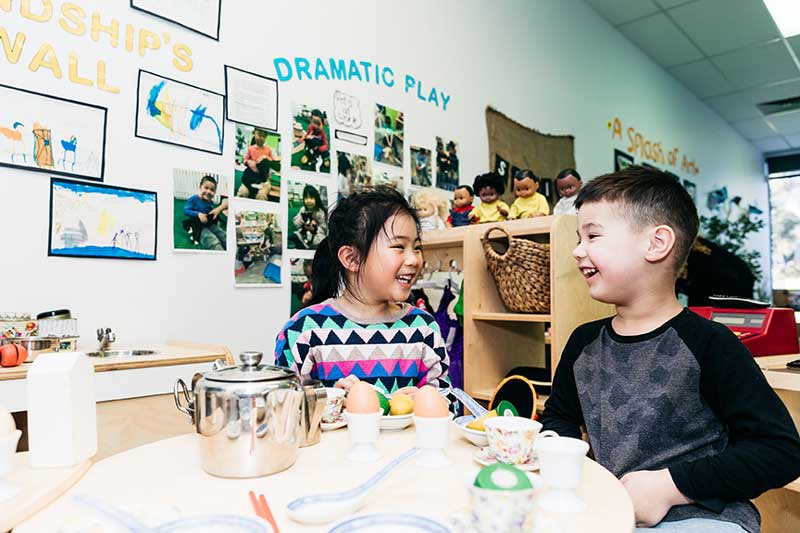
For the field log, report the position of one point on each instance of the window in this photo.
(785, 215)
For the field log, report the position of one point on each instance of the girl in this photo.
(359, 331)
(310, 222)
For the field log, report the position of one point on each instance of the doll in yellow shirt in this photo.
(491, 209)
(529, 202)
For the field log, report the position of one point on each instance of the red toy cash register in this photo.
(763, 330)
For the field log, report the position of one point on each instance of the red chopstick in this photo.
(268, 513)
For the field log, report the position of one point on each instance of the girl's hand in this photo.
(652, 493)
(346, 383)
(409, 391)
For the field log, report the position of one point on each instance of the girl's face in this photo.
(488, 194)
(309, 202)
(393, 263)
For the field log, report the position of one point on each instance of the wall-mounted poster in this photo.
(177, 113)
(388, 135)
(308, 215)
(446, 164)
(48, 134)
(251, 98)
(95, 220)
(622, 160)
(311, 147)
(301, 284)
(257, 168)
(200, 211)
(420, 166)
(355, 174)
(259, 242)
(202, 16)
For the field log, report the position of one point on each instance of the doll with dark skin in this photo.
(463, 197)
(489, 187)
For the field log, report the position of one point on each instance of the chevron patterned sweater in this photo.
(322, 343)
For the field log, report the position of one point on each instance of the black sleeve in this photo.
(562, 411)
(763, 449)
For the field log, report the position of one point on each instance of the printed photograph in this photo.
(301, 284)
(446, 164)
(308, 215)
(421, 167)
(257, 168)
(200, 211)
(388, 136)
(355, 174)
(258, 249)
(311, 148)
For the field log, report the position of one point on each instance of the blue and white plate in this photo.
(389, 523)
(478, 438)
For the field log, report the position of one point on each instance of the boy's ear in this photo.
(349, 258)
(662, 241)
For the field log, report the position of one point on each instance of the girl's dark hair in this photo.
(355, 221)
(311, 191)
(466, 188)
(568, 172)
(490, 179)
(525, 174)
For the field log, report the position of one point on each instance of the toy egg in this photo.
(363, 399)
(428, 403)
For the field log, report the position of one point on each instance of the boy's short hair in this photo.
(568, 172)
(206, 178)
(525, 174)
(466, 188)
(259, 130)
(651, 197)
(490, 179)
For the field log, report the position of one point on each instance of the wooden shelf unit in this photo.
(496, 340)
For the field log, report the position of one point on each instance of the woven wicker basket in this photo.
(521, 272)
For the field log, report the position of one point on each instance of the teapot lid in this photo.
(250, 370)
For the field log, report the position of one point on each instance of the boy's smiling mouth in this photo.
(588, 272)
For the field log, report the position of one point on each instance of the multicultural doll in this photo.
(430, 209)
(529, 202)
(489, 187)
(463, 197)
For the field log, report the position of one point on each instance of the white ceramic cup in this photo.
(333, 404)
(363, 430)
(561, 461)
(511, 438)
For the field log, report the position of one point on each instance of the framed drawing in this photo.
(97, 220)
(174, 112)
(201, 16)
(50, 134)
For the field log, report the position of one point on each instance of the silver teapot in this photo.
(251, 419)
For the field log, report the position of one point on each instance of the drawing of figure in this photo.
(69, 146)
(42, 148)
(15, 136)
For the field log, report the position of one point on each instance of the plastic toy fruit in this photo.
(477, 424)
(12, 355)
(384, 401)
(401, 404)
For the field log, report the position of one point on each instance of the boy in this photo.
(529, 203)
(202, 221)
(671, 402)
(568, 183)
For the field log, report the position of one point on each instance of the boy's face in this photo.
(610, 253)
(525, 188)
(316, 122)
(488, 194)
(260, 137)
(569, 186)
(462, 198)
(207, 191)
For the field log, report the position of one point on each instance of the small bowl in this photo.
(478, 438)
(396, 422)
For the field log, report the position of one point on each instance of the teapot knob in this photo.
(251, 359)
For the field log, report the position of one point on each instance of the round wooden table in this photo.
(168, 472)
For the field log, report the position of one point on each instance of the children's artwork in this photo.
(691, 188)
(621, 160)
(420, 166)
(95, 220)
(388, 135)
(355, 174)
(200, 211)
(346, 110)
(251, 98)
(174, 112)
(388, 176)
(258, 248)
(49, 134)
(257, 170)
(201, 16)
(301, 284)
(446, 164)
(308, 215)
(311, 147)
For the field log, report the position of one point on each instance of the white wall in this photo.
(554, 66)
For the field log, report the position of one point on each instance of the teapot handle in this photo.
(180, 386)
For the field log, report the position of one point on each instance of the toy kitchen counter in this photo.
(133, 392)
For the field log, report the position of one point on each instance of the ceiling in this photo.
(729, 53)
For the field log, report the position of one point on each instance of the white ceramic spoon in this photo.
(475, 408)
(323, 508)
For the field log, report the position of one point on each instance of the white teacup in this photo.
(561, 461)
(333, 405)
(511, 438)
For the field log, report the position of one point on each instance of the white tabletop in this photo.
(169, 472)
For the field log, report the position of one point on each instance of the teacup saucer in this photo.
(485, 457)
(339, 423)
